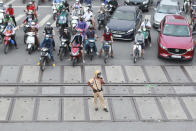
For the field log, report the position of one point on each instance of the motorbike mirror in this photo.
(194, 33)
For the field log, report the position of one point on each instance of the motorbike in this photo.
(8, 42)
(75, 53)
(101, 20)
(186, 6)
(91, 48)
(44, 58)
(137, 51)
(107, 47)
(74, 23)
(30, 42)
(63, 48)
(55, 6)
(26, 28)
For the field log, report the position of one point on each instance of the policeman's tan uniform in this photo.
(96, 83)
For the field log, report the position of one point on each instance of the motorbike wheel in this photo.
(106, 58)
(42, 64)
(6, 49)
(54, 17)
(29, 51)
(61, 54)
(134, 59)
(91, 57)
(99, 27)
(74, 61)
(135, 56)
(1, 39)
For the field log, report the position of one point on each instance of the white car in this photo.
(166, 7)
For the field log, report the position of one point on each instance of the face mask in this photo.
(99, 75)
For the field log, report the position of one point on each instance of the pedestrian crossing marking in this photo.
(54, 24)
(19, 17)
(44, 20)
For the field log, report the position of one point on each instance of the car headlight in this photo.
(190, 49)
(129, 31)
(163, 47)
(145, 2)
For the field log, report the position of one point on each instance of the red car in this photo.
(175, 38)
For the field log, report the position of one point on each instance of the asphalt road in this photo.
(122, 49)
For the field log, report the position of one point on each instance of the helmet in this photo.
(77, 1)
(48, 24)
(102, 4)
(30, 3)
(139, 31)
(33, 23)
(98, 73)
(107, 31)
(10, 5)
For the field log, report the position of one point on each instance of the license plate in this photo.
(117, 35)
(176, 56)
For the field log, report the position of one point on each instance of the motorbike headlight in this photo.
(163, 47)
(145, 2)
(129, 31)
(190, 49)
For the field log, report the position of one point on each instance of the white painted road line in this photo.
(19, 17)
(10, 2)
(44, 20)
(54, 24)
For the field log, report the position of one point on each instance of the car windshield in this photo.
(176, 30)
(123, 15)
(167, 9)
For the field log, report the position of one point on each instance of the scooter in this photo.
(107, 48)
(8, 42)
(30, 42)
(63, 48)
(137, 51)
(101, 20)
(75, 53)
(91, 48)
(44, 58)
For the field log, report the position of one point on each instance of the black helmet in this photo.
(90, 27)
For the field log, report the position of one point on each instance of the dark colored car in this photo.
(124, 22)
(142, 4)
(175, 39)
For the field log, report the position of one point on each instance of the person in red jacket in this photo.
(10, 11)
(32, 7)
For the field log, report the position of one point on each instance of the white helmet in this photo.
(139, 31)
(103, 4)
(77, 1)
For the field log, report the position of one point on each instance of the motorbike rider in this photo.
(90, 34)
(66, 35)
(107, 36)
(102, 8)
(146, 23)
(88, 16)
(78, 39)
(34, 28)
(114, 3)
(66, 4)
(140, 37)
(7, 19)
(82, 25)
(47, 42)
(11, 29)
(48, 30)
(10, 11)
(31, 7)
(63, 13)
